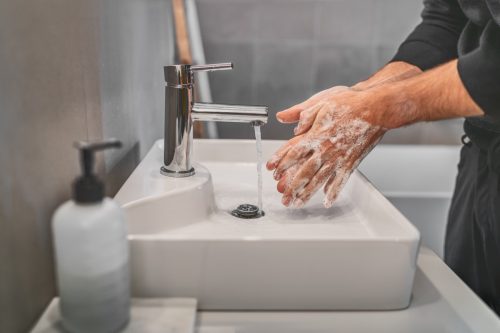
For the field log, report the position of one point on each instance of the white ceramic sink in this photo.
(419, 181)
(360, 254)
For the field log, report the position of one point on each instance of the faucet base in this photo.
(176, 174)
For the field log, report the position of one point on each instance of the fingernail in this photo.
(286, 201)
(298, 203)
(327, 203)
(274, 161)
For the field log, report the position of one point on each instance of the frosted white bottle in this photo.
(91, 252)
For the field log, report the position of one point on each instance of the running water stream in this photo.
(258, 143)
(249, 211)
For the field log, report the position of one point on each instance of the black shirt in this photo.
(469, 30)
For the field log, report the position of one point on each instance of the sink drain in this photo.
(247, 211)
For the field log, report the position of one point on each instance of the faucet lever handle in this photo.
(211, 67)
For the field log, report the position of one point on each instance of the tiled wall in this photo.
(69, 70)
(285, 50)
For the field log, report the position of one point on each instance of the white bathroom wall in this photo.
(285, 50)
(69, 70)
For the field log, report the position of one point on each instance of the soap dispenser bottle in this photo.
(91, 252)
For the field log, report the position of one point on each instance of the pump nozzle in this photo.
(88, 188)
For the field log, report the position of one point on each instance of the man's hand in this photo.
(333, 148)
(335, 132)
(339, 126)
(306, 110)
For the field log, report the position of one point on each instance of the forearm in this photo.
(433, 95)
(392, 72)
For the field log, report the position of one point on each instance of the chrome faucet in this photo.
(181, 111)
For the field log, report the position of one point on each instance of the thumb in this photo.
(290, 115)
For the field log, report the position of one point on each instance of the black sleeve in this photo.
(434, 41)
(480, 71)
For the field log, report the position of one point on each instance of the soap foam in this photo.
(349, 143)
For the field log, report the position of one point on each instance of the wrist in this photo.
(392, 106)
(362, 85)
(392, 72)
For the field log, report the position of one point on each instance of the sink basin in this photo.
(358, 255)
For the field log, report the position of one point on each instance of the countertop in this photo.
(147, 315)
(441, 302)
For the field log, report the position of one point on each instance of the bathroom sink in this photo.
(360, 254)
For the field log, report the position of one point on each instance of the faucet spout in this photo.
(230, 113)
(181, 111)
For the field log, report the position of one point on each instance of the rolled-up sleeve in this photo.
(434, 41)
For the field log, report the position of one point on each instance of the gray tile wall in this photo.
(136, 41)
(93, 69)
(69, 70)
(285, 50)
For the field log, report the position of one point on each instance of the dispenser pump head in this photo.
(88, 188)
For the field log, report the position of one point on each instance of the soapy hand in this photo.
(305, 112)
(336, 129)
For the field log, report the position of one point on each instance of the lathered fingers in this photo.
(288, 177)
(307, 118)
(308, 170)
(295, 154)
(303, 196)
(280, 153)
